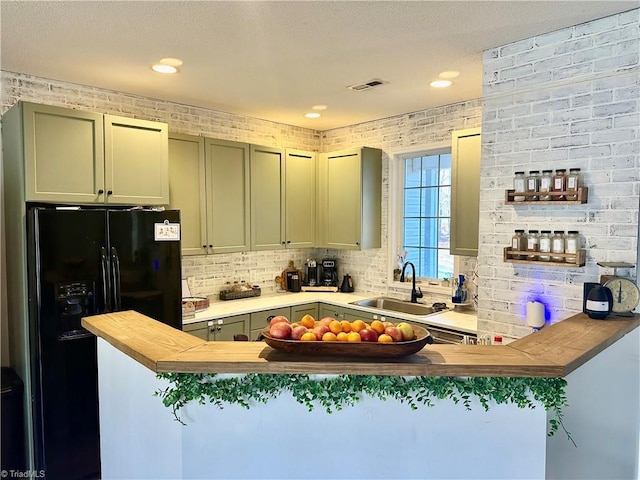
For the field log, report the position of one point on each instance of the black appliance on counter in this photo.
(84, 261)
(329, 273)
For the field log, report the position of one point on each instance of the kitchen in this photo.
(608, 223)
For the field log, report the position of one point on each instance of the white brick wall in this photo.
(564, 99)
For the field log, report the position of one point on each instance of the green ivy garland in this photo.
(335, 392)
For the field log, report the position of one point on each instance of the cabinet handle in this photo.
(288, 241)
(210, 246)
(100, 192)
(283, 242)
(109, 192)
(204, 246)
(358, 243)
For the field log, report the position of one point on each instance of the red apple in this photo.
(326, 321)
(278, 318)
(394, 333)
(320, 330)
(298, 331)
(388, 324)
(368, 335)
(406, 330)
(280, 330)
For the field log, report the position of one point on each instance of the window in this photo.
(425, 209)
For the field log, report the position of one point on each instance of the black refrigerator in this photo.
(85, 261)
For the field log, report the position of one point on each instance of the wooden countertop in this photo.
(554, 351)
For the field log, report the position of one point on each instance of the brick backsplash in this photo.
(568, 98)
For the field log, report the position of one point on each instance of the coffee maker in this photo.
(312, 273)
(329, 276)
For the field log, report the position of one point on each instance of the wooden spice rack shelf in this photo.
(580, 258)
(582, 195)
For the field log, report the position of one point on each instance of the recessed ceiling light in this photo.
(161, 68)
(312, 115)
(319, 107)
(174, 62)
(449, 74)
(441, 83)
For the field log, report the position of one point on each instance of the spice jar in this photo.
(559, 183)
(519, 243)
(557, 245)
(545, 184)
(545, 245)
(571, 245)
(533, 183)
(519, 186)
(533, 244)
(574, 181)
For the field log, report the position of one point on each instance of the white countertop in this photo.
(463, 321)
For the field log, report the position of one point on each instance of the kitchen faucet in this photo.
(415, 294)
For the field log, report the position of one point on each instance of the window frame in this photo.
(396, 211)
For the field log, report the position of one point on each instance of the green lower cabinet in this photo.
(299, 311)
(223, 329)
(260, 320)
(200, 330)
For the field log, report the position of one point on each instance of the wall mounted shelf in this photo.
(577, 259)
(582, 195)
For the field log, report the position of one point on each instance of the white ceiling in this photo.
(275, 59)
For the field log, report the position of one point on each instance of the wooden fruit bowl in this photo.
(355, 349)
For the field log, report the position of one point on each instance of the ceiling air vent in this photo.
(360, 87)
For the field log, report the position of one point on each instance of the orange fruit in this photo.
(329, 337)
(307, 321)
(353, 337)
(377, 326)
(342, 337)
(358, 325)
(335, 326)
(308, 337)
(346, 326)
(384, 338)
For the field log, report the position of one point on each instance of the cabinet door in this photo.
(224, 329)
(300, 199)
(63, 154)
(299, 311)
(200, 330)
(136, 161)
(267, 226)
(465, 191)
(326, 310)
(228, 222)
(187, 191)
(260, 320)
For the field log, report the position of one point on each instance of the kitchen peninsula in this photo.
(372, 439)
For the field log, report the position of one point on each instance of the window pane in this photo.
(412, 202)
(445, 264)
(445, 169)
(411, 232)
(445, 201)
(430, 202)
(430, 171)
(413, 256)
(428, 263)
(429, 232)
(444, 233)
(412, 172)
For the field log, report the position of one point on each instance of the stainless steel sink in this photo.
(394, 305)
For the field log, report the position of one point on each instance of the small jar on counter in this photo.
(546, 180)
(574, 181)
(519, 244)
(571, 245)
(559, 183)
(533, 244)
(557, 245)
(519, 186)
(533, 183)
(545, 245)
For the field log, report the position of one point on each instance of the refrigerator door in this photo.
(145, 264)
(65, 284)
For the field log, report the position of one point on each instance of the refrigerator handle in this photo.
(104, 266)
(115, 264)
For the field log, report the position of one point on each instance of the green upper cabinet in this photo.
(136, 161)
(187, 190)
(71, 156)
(465, 191)
(228, 195)
(350, 198)
(267, 198)
(283, 198)
(300, 198)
